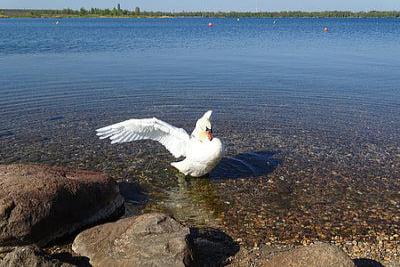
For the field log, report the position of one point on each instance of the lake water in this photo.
(310, 119)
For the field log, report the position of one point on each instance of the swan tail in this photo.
(181, 166)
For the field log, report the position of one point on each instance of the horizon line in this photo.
(213, 11)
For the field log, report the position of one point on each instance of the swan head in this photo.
(203, 130)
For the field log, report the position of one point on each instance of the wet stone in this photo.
(147, 240)
(39, 203)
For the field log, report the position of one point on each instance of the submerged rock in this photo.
(39, 203)
(30, 256)
(316, 255)
(153, 239)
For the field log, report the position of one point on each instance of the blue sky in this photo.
(212, 5)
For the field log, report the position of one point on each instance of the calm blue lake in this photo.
(290, 68)
(324, 106)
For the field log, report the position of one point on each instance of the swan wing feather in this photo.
(172, 138)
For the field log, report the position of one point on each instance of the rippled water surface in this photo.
(310, 120)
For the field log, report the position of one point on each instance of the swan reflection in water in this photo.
(197, 200)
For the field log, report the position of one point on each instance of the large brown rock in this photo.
(153, 239)
(316, 255)
(40, 203)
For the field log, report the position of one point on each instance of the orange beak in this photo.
(209, 134)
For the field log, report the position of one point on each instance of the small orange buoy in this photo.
(210, 24)
(326, 29)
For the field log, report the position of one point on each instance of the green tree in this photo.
(137, 10)
(83, 11)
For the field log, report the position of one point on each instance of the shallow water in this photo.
(310, 120)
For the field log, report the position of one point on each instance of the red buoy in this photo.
(210, 24)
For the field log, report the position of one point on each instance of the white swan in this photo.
(202, 152)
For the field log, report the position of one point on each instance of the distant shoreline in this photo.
(120, 13)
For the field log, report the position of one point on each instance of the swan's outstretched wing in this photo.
(173, 138)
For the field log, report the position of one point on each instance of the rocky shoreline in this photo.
(40, 206)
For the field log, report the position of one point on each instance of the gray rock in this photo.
(30, 256)
(40, 203)
(148, 240)
(316, 255)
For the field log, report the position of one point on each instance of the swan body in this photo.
(201, 158)
(201, 150)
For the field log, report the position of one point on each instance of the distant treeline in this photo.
(136, 12)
